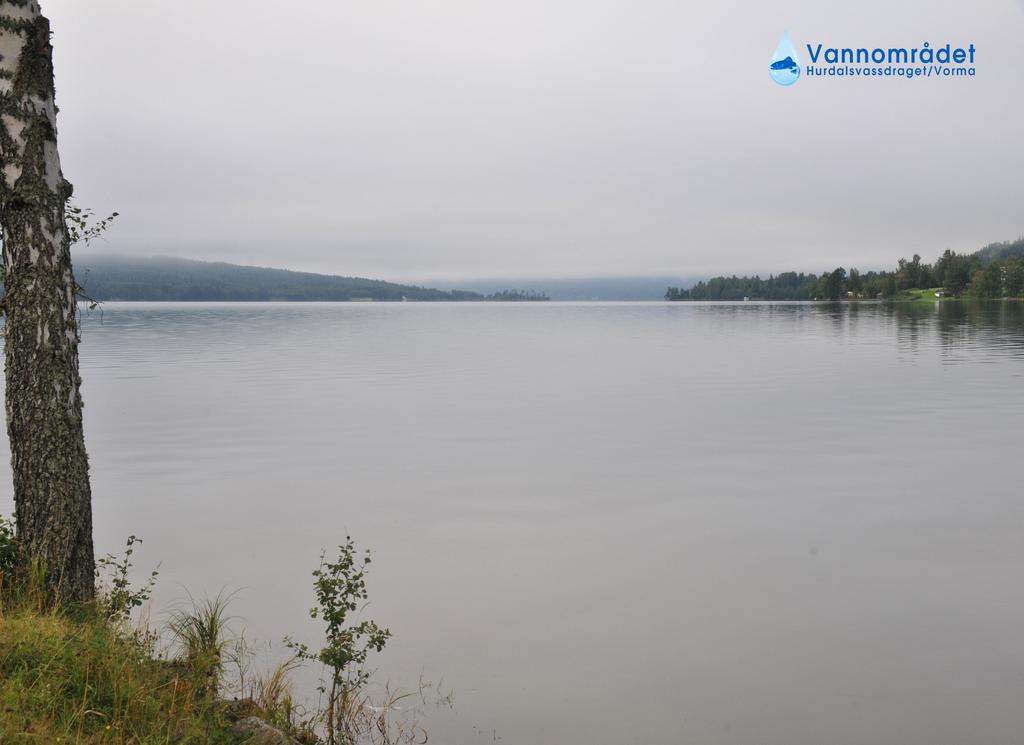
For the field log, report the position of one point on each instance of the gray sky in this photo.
(423, 139)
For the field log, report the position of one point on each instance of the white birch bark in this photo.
(44, 406)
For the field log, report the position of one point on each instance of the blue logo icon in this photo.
(785, 66)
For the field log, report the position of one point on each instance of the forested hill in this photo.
(122, 278)
(995, 271)
(1002, 251)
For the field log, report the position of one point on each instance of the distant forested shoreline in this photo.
(107, 278)
(996, 271)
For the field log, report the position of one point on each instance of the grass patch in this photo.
(927, 294)
(77, 677)
(89, 675)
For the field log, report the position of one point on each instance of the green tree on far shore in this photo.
(992, 272)
(988, 282)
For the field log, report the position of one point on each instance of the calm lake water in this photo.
(600, 523)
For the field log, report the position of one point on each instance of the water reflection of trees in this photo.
(961, 330)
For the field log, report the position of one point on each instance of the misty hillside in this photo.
(583, 288)
(161, 278)
(1002, 251)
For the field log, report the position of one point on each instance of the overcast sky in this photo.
(423, 139)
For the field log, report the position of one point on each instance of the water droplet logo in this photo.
(785, 67)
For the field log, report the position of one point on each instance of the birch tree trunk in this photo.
(52, 498)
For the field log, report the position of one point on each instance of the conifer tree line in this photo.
(995, 271)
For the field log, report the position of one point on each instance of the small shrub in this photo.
(120, 598)
(340, 590)
(8, 551)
